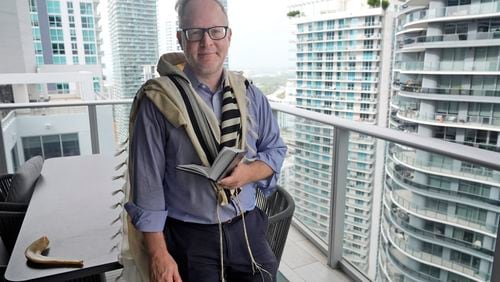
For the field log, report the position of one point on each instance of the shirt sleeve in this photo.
(148, 209)
(270, 147)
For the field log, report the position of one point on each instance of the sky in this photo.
(260, 40)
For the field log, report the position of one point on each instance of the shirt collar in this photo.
(197, 84)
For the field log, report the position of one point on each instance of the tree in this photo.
(293, 14)
(377, 3)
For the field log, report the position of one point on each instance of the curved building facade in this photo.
(440, 216)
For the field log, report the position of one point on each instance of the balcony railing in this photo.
(419, 40)
(320, 215)
(455, 66)
(452, 11)
(449, 91)
(450, 119)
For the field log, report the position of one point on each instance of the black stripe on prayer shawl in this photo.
(230, 129)
(192, 118)
(229, 114)
(228, 143)
(228, 100)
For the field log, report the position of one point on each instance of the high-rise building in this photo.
(440, 215)
(340, 72)
(50, 132)
(65, 39)
(134, 43)
(167, 27)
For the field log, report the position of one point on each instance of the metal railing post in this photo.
(94, 131)
(338, 192)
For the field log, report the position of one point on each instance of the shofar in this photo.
(34, 254)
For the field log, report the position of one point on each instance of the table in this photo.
(74, 206)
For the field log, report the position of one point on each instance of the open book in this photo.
(224, 163)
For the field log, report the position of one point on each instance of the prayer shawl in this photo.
(164, 93)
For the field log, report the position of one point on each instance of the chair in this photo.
(279, 207)
(15, 194)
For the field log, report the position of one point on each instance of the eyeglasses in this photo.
(196, 34)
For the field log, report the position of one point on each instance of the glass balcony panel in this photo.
(307, 172)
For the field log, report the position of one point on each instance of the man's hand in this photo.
(162, 267)
(245, 173)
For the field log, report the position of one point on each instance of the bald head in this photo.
(182, 5)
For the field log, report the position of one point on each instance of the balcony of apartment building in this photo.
(420, 15)
(458, 67)
(325, 181)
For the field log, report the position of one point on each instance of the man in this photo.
(193, 229)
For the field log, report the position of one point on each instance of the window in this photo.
(53, 7)
(36, 34)
(88, 35)
(90, 60)
(471, 213)
(432, 249)
(464, 259)
(72, 34)
(89, 49)
(33, 6)
(86, 8)
(58, 48)
(429, 270)
(71, 20)
(51, 146)
(34, 20)
(439, 182)
(74, 48)
(474, 188)
(445, 107)
(87, 22)
(436, 205)
(56, 34)
(59, 60)
(55, 21)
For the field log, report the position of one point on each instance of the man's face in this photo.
(206, 56)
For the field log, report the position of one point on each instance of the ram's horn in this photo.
(34, 254)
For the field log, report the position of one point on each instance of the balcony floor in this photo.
(302, 261)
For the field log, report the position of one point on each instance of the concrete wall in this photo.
(16, 44)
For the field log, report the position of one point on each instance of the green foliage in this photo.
(385, 4)
(293, 14)
(376, 3)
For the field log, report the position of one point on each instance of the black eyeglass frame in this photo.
(205, 31)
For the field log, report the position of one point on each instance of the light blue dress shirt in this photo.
(160, 190)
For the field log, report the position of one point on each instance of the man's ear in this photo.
(229, 34)
(179, 39)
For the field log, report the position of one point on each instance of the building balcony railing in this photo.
(307, 40)
(407, 273)
(448, 91)
(436, 238)
(324, 28)
(407, 182)
(475, 9)
(322, 222)
(408, 158)
(470, 223)
(456, 66)
(455, 120)
(311, 59)
(420, 41)
(434, 260)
